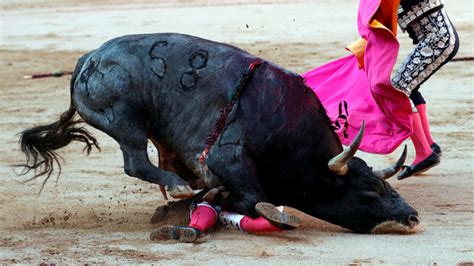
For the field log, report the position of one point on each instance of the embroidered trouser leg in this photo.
(436, 43)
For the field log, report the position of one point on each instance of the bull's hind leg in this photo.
(137, 164)
(128, 130)
(106, 97)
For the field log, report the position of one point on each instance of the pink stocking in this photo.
(422, 147)
(203, 217)
(424, 122)
(257, 225)
(246, 223)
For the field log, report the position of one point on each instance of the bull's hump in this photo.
(172, 40)
(175, 53)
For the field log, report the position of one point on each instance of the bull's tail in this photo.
(39, 144)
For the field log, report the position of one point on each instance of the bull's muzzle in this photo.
(409, 226)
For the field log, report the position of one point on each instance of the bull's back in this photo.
(178, 82)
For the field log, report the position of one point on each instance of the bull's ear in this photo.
(393, 169)
(338, 164)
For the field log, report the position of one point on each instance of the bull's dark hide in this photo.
(275, 146)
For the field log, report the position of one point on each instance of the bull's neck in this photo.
(303, 141)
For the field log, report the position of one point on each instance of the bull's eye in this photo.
(370, 192)
(375, 189)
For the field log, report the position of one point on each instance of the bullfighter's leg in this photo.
(272, 219)
(436, 43)
(204, 217)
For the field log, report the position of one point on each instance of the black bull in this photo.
(275, 146)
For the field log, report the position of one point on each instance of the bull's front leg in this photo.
(232, 164)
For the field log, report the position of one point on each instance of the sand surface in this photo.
(95, 213)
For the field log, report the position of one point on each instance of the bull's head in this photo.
(359, 198)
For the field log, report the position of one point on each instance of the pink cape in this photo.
(363, 81)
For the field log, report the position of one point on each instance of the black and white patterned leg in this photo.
(438, 43)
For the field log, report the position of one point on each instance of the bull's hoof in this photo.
(276, 217)
(181, 192)
(212, 194)
(184, 234)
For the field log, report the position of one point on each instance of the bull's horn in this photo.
(338, 164)
(393, 169)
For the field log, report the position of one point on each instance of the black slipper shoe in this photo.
(276, 217)
(185, 234)
(436, 149)
(423, 166)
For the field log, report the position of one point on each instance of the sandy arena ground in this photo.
(95, 213)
